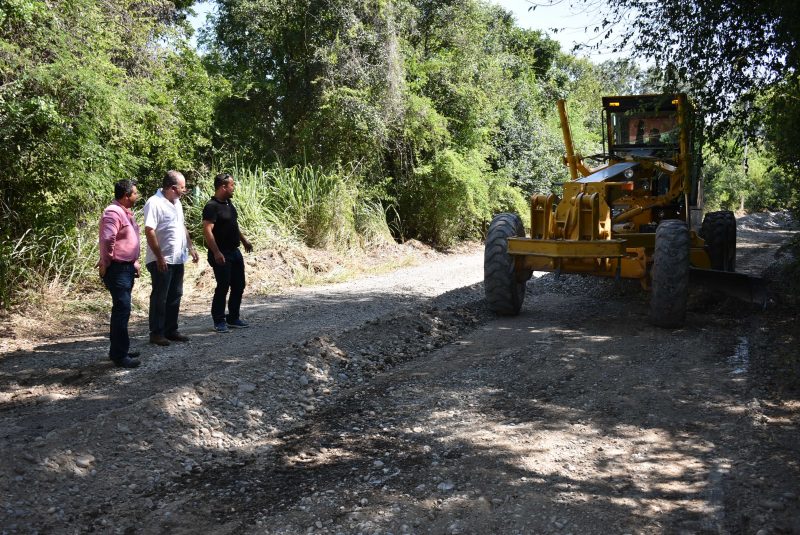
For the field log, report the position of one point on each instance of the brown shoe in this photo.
(177, 337)
(158, 340)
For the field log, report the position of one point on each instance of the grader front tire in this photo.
(670, 274)
(504, 289)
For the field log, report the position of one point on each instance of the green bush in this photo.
(503, 197)
(446, 200)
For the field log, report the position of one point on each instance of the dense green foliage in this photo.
(89, 93)
(345, 119)
(418, 94)
(745, 176)
(443, 105)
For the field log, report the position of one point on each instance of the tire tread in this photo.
(670, 274)
(503, 290)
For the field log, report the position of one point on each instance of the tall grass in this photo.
(276, 205)
(322, 209)
(49, 261)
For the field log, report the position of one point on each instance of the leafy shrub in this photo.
(504, 197)
(446, 199)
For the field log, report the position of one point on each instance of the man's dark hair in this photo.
(123, 188)
(221, 179)
(171, 179)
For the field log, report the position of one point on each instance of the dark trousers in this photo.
(229, 276)
(165, 298)
(119, 281)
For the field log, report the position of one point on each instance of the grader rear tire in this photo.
(670, 274)
(730, 234)
(504, 289)
(719, 232)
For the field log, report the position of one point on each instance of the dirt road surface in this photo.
(399, 404)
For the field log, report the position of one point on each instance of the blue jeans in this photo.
(165, 298)
(119, 281)
(229, 276)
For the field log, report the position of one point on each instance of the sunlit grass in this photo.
(306, 204)
(278, 207)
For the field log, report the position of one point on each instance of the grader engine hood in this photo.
(599, 198)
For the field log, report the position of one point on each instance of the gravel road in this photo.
(399, 404)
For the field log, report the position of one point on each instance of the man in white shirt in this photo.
(168, 247)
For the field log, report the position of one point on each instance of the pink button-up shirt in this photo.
(119, 236)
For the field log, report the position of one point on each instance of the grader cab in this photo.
(636, 215)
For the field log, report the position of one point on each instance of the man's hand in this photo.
(138, 271)
(195, 256)
(162, 264)
(102, 269)
(219, 258)
(247, 245)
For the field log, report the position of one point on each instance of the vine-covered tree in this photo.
(417, 93)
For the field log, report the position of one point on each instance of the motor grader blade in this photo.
(743, 287)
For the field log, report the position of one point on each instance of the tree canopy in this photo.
(738, 58)
(89, 92)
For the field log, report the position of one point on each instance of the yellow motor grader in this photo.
(636, 215)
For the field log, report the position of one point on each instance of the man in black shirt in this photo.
(221, 230)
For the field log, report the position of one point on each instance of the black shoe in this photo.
(158, 340)
(131, 354)
(126, 362)
(177, 337)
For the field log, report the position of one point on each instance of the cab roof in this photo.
(663, 102)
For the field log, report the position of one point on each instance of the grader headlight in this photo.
(628, 173)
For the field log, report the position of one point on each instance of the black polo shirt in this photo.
(226, 225)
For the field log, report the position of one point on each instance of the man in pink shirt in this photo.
(119, 265)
